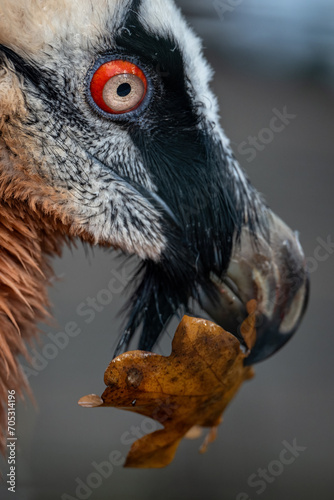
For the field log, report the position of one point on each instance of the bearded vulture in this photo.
(109, 133)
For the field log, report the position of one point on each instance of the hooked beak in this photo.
(272, 271)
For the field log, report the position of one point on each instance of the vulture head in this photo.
(110, 133)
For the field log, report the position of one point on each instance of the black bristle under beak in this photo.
(200, 219)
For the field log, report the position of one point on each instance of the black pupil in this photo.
(124, 89)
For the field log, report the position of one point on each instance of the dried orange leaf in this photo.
(191, 387)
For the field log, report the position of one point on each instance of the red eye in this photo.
(118, 87)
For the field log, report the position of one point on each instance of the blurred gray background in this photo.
(267, 54)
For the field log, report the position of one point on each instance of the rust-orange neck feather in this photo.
(31, 231)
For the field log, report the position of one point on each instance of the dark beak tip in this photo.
(273, 342)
